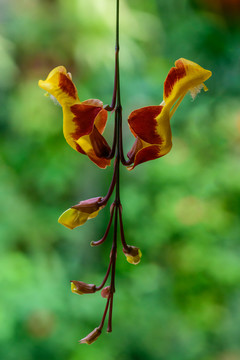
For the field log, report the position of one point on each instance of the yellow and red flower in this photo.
(78, 214)
(83, 122)
(151, 125)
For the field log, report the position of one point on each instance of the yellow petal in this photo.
(59, 84)
(133, 254)
(184, 77)
(134, 259)
(72, 218)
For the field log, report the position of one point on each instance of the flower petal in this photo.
(96, 147)
(60, 85)
(82, 134)
(147, 153)
(82, 120)
(72, 218)
(101, 119)
(144, 124)
(185, 76)
(151, 125)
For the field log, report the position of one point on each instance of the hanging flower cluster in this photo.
(83, 126)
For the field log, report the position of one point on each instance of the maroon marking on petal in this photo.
(84, 119)
(143, 122)
(99, 144)
(67, 86)
(146, 154)
(174, 75)
(79, 149)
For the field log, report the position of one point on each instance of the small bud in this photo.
(90, 338)
(105, 292)
(80, 288)
(133, 254)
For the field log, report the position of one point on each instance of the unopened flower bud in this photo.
(133, 254)
(105, 292)
(90, 338)
(80, 288)
(78, 214)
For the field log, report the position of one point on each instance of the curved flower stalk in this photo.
(83, 122)
(151, 125)
(83, 125)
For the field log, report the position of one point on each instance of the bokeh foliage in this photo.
(182, 301)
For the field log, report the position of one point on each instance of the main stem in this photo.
(115, 184)
(118, 114)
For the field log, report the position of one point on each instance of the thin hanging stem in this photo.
(115, 184)
(110, 190)
(105, 277)
(116, 73)
(122, 158)
(112, 106)
(109, 328)
(99, 242)
(113, 150)
(118, 111)
(113, 257)
(104, 315)
(125, 245)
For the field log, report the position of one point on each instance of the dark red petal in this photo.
(67, 86)
(101, 119)
(84, 119)
(137, 146)
(174, 75)
(146, 154)
(143, 123)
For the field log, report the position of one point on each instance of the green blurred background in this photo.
(182, 302)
